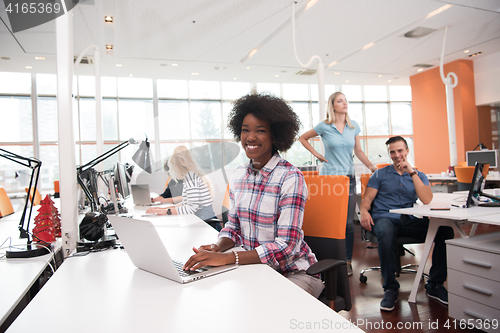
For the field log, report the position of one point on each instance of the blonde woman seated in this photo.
(196, 197)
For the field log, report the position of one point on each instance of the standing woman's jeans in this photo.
(349, 230)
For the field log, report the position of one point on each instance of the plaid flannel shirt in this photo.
(266, 213)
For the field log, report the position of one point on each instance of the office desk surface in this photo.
(446, 200)
(17, 275)
(105, 291)
(443, 218)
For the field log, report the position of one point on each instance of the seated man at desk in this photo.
(398, 185)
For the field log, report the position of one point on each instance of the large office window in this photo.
(181, 112)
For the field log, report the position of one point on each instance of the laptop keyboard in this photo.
(182, 272)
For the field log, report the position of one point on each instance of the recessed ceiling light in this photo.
(194, 73)
(277, 75)
(466, 51)
(380, 75)
(118, 65)
(252, 53)
(28, 67)
(235, 78)
(389, 80)
(40, 58)
(420, 69)
(331, 64)
(367, 46)
(108, 19)
(346, 80)
(130, 75)
(475, 54)
(248, 67)
(336, 73)
(175, 65)
(109, 47)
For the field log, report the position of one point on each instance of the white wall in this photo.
(487, 79)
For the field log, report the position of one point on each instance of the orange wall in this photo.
(430, 120)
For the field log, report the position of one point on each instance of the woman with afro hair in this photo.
(267, 197)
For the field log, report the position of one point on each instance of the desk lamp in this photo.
(30, 250)
(93, 223)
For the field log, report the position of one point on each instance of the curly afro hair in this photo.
(282, 120)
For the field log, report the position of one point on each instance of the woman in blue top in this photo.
(340, 138)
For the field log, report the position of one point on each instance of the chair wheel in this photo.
(363, 278)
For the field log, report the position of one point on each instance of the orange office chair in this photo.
(168, 181)
(382, 165)
(5, 204)
(310, 173)
(464, 175)
(36, 198)
(364, 178)
(324, 231)
(56, 189)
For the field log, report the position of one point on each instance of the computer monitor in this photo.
(476, 189)
(121, 180)
(483, 156)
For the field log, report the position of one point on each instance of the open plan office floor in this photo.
(419, 317)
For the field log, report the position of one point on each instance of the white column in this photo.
(66, 142)
(98, 102)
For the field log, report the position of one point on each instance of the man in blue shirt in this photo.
(399, 186)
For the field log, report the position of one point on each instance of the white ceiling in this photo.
(214, 38)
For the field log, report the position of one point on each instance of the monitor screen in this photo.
(121, 180)
(476, 186)
(483, 156)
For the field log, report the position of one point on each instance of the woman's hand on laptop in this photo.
(208, 258)
(211, 247)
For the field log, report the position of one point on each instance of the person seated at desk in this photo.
(267, 197)
(196, 196)
(399, 186)
(173, 189)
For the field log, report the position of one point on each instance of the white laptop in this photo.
(147, 251)
(141, 195)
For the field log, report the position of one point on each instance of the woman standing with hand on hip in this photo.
(340, 136)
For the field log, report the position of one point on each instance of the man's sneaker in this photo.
(349, 269)
(438, 292)
(390, 297)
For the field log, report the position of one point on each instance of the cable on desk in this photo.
(21, 246)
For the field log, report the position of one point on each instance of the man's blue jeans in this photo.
(387, 229)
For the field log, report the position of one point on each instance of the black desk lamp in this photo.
(92, 226)
(30, 250)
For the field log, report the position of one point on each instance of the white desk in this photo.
(17, 276)
(105, 292)
(442, 218)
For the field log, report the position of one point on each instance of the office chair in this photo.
(310, 173)
(56, 189)
(324, 226)
(216, 223)
(464, 175)
(35, 198)
(5, 204)
(399, 247)
(382, 165)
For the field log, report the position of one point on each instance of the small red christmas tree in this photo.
(47, 222)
